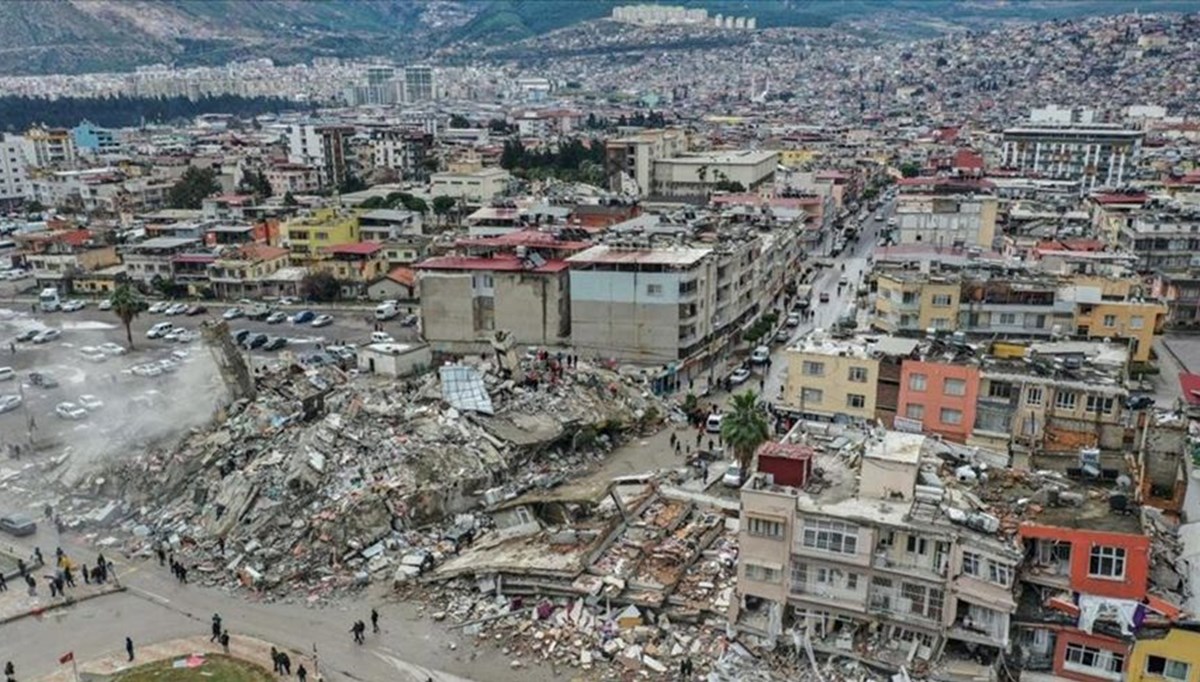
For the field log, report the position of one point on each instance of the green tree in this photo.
(416, 205)
(443, 205)
(910, 170)
(373, 203)
(126, 305)
(352, 184)
(192, 187)
(459, 121)
(34, 206)
(289, 200)
(728, 185)
(320, 286)
(744, 428)
(255, 183)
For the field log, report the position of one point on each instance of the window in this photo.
(941, 300)
(940, 323)
(1107, 562)
(916, 382)
(763, 574)
(916, 545)
(811, 396)
(1001, 574)
(858, 375)
(322, 236)
(1008, 318)
(855, 400)
(764, 529)
(1092, 661)
(1033, 395)
(654, 290)
(1065, 400)
(972, 564)
(1110, 321)
(1165, 667)
(1136, 322)
(813, 369)
(1099, 404)
(831, 536)
(915, 412)
(950, 416)
(954, 387)
(1000, 389)
(926, 601)
(852, 581)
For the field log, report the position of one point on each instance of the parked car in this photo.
(303, 316)
(1139, 402)
(70, 411)
(761, 355)
(146, 370)
(177, 309)
(18, 525)
(276, 317)
(42, 380)
(740, 376)
(793, 320)
(158, 307)
(322, 321)
(239, 336)
(824, 298)
(7, 374)
(275, 343)
(194, 310)
(106, 304)
(174, 334)
(73, 305)
(782, 335)
(159, 330)
(187, 336)
(93, 354)
(9, 403)
(382, 337)
(713, 423)
(28, 334)
(111, 348)
(733, 476)
(90, 402)
(233, 313)
(47, 335)
(255, 341)
(409, 321)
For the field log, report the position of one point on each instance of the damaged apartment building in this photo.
(907, 552)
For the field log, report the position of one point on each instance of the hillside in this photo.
(71, 36)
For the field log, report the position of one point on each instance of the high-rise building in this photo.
(14, 182)
(49, 147)
(419, 83)
(380, 87)
(323, 147)
(1095, 155)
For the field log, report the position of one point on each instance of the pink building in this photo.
(938, 397)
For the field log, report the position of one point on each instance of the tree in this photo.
(256, 183)
(351, 184)
(910, 170)
(745, 428)
(416, 205)
(320, 286)
(126, 305)
(443, 205)
(374, 203)
(192, 187)
(34, 206)
(289, 200)
(727, 185)
(459, 121)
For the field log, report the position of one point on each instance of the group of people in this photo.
(281, 664)
(64, 573)
(359, 628)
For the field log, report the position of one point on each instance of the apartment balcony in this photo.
(898, 609)
(917, 569)
(842, 598)
(995, 634)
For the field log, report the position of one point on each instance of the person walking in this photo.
(216, 628)
(374, 621)
(225, 642)
(357, 631)
(274, 659)
(129, 647)
(3, 583)
(70, 579)
(302, 673)
(285, 663)
(162, 556)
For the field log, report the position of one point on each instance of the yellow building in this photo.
(1171, 658)
(1135, 322)
(795, 158)
(307, 236)
(915, 302)
(829, 377)
(354, 265)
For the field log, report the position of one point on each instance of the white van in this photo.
(713, 423)
(386, 310)
(159, 330)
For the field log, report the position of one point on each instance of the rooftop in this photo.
(494, 264)
(672, 255)
(896, 446)
(354, 249)
(726, 158)
(818, 342)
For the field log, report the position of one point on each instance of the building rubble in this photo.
(326, 480)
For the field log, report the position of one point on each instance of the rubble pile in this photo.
(323, 478)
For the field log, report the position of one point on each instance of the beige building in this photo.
(697, 175)
(867, 564)
(629, 161)
(478, 187)
(946, 220)
(831, 378)
(915, 301)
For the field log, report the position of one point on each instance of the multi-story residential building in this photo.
(15, 187)
(1165, 655)
(948, 216)
(355, 265)
(831, 378)
(49, 147)
(913, 302)
(1096, 155)
(1112, 211)
(323, 147)
(877, 560)
(1181, 291)
(155, 258)
(1134, 322)
(402, 150)
(92, 139)
(465, 300)
(698, 175)
(420, 84)
(629, 161)
(1163, 235)
(307, 235)
(60, 257)
(242, 272)
(939, 395)
(477, 187)
(293, 178)
(400, 232)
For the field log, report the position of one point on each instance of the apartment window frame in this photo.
(960, 387)
(1066, 400)
(956, 421)
(941, 300)
(1098, 404)
(856, 401)
(857, 375)
(759, 527)
(1167, 668)
(827, 535)
(999, 574)
(914, 408)
(812, 396)
(1107, 562)
(763, 574)
(654, 290)
(1090, 660)
(812, 368)
(1109, 321)
(1035, 396)
(1008, 319)
(972, 564)
(918, 382)
(1137, 322)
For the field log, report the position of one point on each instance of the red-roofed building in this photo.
(243, 272)
(60, 257)
(967, 163)
(788, 463)
(399, 284)
(466, 299)
(356, 265)
(1190, 386)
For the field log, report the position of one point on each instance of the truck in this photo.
(803, 297)
(49, 300)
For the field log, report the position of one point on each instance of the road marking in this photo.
(151, 595)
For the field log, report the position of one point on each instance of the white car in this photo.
(174, 334)
(167, 366)
(186, 336)
(159, 330)
(793, 320)
(276, 317)
(90, 402)
(177, 309)
(233, 313)
(7, 374)
(713, 423)
(111, 348)
(70, 411)
(47, 335)
(9, 402)
(739, 376)
(72, 305)
(733, 476)
(322, 320)
(760, 355)
(93, 354)
(148, 370)
(382, 337)
(158, 307)
(106, 304)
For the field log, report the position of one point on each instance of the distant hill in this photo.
(70, 36)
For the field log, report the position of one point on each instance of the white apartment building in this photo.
(475, 188)
(946, 220)
(14, 181)
(865, 562)
(420, 84)
(629, 161)
(1095, 155)
(323, 147)
(49, 147)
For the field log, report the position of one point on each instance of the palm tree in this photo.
(126, 304)
(745, 428)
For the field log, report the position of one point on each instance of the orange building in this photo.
(938, 397)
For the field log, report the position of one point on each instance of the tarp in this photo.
(463, 388)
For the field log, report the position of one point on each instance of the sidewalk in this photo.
(16, 602)
(244, 648)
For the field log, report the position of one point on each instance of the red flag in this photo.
(67, 657)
